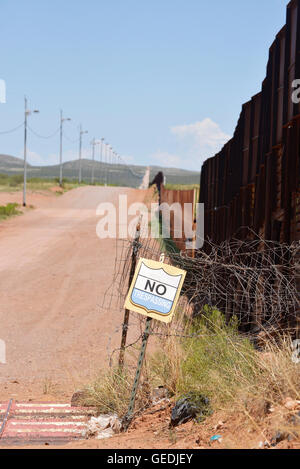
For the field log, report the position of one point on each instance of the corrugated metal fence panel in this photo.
(280, 90)
(254, 137)
(253, 180)
(291, 56)
(246, 142)
(177, 224)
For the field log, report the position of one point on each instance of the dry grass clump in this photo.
(110, 392)
(214, 361)
(224, 365)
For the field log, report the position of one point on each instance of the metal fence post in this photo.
(135, 249)
(128, 417)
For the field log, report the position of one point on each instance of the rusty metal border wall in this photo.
(254, 180)
(181, 197)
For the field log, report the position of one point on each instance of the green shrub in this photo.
(8, 211)
(217, 359)
(209, 362)
(15, 180)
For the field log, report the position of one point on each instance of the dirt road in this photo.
(54, 271)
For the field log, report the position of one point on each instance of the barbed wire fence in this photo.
(255, 281)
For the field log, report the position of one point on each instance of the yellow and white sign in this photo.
(155, 290)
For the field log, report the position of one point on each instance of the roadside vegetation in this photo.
(182, 187)
(110, 391)
(8, 210)
(216, 360)
(15, 183)
(212, 360)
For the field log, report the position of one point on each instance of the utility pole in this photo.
(62, 120)
(27, 113)
(81, 133)
(93, 143)
(106, 164)
(115, 159)
(101, 158)
(109, 168)
(25, 154)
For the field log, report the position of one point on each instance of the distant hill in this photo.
(10, 163)
(124, 175)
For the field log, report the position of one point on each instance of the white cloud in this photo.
(194, 144)
(2, 92)
(199, 141)
(205, 136)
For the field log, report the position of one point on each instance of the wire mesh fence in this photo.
(256, 282)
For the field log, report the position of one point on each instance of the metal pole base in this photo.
(129, 416)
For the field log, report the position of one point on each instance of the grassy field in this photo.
(15, 183)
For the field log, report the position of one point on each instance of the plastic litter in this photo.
(103, 426)
(279, 437)
(191, 406)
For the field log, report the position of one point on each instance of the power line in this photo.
(43, 136)
(107, 161)
(12, 130)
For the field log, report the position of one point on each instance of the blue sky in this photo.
(162, 80)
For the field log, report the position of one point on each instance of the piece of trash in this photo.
(295, 419)
(159, 395)
(279, 437)
(219, 425)
(263, 444)
(216, 438)
(291, 404)
(192, 406)
(102, 427)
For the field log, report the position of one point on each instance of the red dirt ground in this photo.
(54, 271)
(152, 431)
